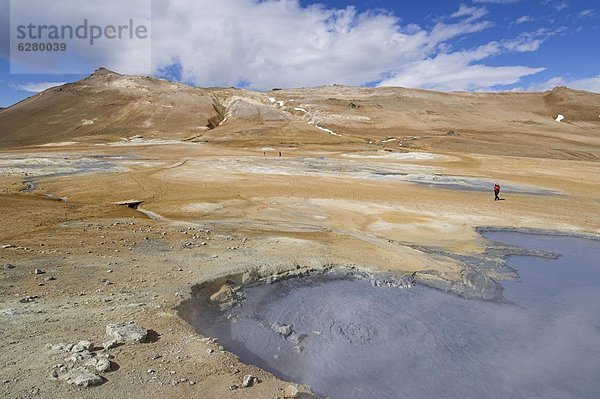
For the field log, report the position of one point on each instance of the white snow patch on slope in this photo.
(143, 142)
(403, 156)
(327, 130)
(560, 118)
(59, 144)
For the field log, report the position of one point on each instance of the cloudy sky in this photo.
(444, 45)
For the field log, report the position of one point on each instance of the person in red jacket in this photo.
(496, 192)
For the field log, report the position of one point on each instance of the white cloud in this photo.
(529, 41)
(589, 84)
(472, 13)
(561, 6)
(37, 87)
(463, 71)
(587, 14)
(523, 19)
(284, 44)
(268, 43)
(449, 72)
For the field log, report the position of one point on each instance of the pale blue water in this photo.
(367, 342)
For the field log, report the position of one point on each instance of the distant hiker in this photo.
(496, 192)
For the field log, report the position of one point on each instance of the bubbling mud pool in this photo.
(348, 339)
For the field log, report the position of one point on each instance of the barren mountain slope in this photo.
(109, 106)
(496, 123)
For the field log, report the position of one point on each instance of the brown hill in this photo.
(108, 106)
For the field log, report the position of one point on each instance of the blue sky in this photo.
(442, 45)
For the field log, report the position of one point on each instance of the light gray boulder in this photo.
(121, 333)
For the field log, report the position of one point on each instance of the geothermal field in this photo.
(160, 240)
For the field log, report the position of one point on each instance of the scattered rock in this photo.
(249, 380)
(102, 364)
(79, 365)
(14, 312)
(282, 329)
(39, 271)
(99, 362)
(250, 277)
(224, 295)
(59, 348)
(121, 333)
(82, 346)
(477, 284)
(29, 299)
(291, 392)
(111, 343)
(296, 337)
(48, 279)
(8, 266)
(233, 387)
(8, 246)
(81, 377)
(406, 281)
